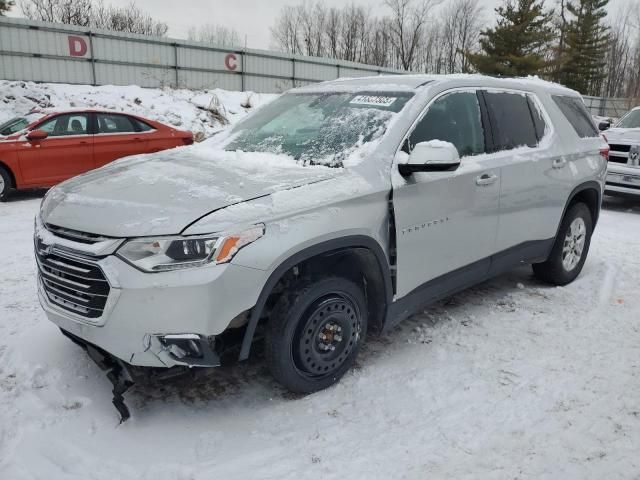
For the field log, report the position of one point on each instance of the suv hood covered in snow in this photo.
(163, 193)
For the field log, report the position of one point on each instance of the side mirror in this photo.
(602, 126)
(36, 135)
(432, 156)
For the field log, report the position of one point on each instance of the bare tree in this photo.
(415, 35)
(285, 32)
(461, 22)
(93, 13)
(215, 35)
(71, 12)
(623, 55)
(408, 20)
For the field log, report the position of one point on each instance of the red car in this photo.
(42, 149)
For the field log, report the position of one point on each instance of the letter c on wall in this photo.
(77, 46)
(230, 61)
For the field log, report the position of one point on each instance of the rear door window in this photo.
(574, 110)
(108, 123)
(454, 118)
(512, 122)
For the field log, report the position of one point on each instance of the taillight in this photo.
(188, 140)
(604, 152)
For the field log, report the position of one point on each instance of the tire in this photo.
(5, 184)
(308, 321)
(569, 252)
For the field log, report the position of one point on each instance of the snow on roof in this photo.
(413, 82)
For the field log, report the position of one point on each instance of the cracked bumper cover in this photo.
(196, 304)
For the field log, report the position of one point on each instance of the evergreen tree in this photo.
(587, 41)
(519, 43)
(5, 6)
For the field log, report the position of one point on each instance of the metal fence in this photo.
(50, 52)
(610, 107)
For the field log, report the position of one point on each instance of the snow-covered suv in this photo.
(623, 175)
(335, 210)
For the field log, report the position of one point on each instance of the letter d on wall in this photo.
(77, 46)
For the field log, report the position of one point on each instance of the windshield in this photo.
(18, 123)
(318, 128)
(630, 120)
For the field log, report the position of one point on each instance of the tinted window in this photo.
(108, 123)
(453, 118)
(511, 120)
(142, 126)
(69, 124)
(573, 108)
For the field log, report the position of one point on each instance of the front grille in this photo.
(74, 235)
(71, 282)
(617, 159)
(619, 148)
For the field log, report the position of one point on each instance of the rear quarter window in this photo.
(143, 126)
(512, 122)
(576, 113)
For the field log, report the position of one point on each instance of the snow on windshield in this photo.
(320, 128)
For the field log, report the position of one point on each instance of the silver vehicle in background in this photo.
(623, 175)
(336, 210)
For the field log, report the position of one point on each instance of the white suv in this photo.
(623, 175)
(337, 209)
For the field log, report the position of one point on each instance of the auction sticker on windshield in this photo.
(379, 101)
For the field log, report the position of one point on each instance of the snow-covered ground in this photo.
(185, 109)
(510, 379)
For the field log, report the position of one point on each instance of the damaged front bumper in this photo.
(192, 350)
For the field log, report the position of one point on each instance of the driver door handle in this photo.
(486, 179)
(559, 162)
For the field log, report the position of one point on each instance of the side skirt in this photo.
(465, 277)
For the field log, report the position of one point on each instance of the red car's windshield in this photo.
(19, 123)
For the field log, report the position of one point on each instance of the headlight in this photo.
(162, 254)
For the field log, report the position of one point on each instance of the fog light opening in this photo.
(183, 346)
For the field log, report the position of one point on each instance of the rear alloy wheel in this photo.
(5, 184)
(570, 249)
(315, 332)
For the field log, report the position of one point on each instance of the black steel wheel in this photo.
(315, 332)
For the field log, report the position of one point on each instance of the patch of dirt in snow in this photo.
(510, 379)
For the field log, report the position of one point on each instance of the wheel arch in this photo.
(12, 175)
(359, 250)
(589, 193)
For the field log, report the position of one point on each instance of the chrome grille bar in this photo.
(72, 282)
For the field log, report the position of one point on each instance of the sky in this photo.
(252, 18)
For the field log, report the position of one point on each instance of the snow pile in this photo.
(200, 111)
